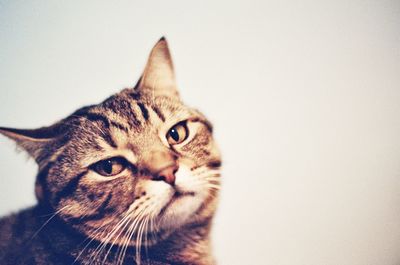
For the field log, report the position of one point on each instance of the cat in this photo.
(132, 180)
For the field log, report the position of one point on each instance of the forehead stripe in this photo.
(135, 95)
(97, 117)
(122, 107)
(158, 112)
(105, 134)
(125, 110)
(144, 111)
(119, 126)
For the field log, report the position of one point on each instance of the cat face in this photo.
(140, 164)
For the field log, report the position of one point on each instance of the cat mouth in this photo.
(178, 193)
(175, 197)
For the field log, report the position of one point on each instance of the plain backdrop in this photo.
(304, 96)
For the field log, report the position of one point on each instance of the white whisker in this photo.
(48, 220)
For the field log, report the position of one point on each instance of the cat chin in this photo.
(179, 210)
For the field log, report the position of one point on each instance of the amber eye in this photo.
(177, 134)
(110, 167)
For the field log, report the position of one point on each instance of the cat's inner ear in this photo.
(31, 140)
(158, 76)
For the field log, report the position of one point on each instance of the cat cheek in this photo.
(72, 209)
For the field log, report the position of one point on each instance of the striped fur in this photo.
(84, 217)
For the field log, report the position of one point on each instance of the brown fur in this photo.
(137, 216)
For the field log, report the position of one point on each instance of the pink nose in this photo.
(167, 174)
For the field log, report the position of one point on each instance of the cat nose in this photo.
(167, 174)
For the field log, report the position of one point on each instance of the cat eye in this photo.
(177, 134)
(110, 167)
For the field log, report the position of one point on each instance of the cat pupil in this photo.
(174, 134)
(108, 167)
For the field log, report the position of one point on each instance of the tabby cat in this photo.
(132, 180)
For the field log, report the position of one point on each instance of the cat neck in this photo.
(188, 245)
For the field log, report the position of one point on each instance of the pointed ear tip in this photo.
(8, 129)
(162, 42)
(3, 129)
(161, 47)
(7, 132)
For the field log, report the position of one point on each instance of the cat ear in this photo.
(158, 75)
(33, 141)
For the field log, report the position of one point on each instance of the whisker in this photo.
(122, 228)
(48, 220)
(144, 232)
(126, 241)
(132, 230)
(139, 241)
(92, 236)
(103, 244)
(120, 259)
(122, 223)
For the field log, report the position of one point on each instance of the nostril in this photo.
(162, 178)
(167, 175)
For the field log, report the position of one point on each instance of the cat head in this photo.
(139, 161)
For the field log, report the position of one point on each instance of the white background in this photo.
(304, 96)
